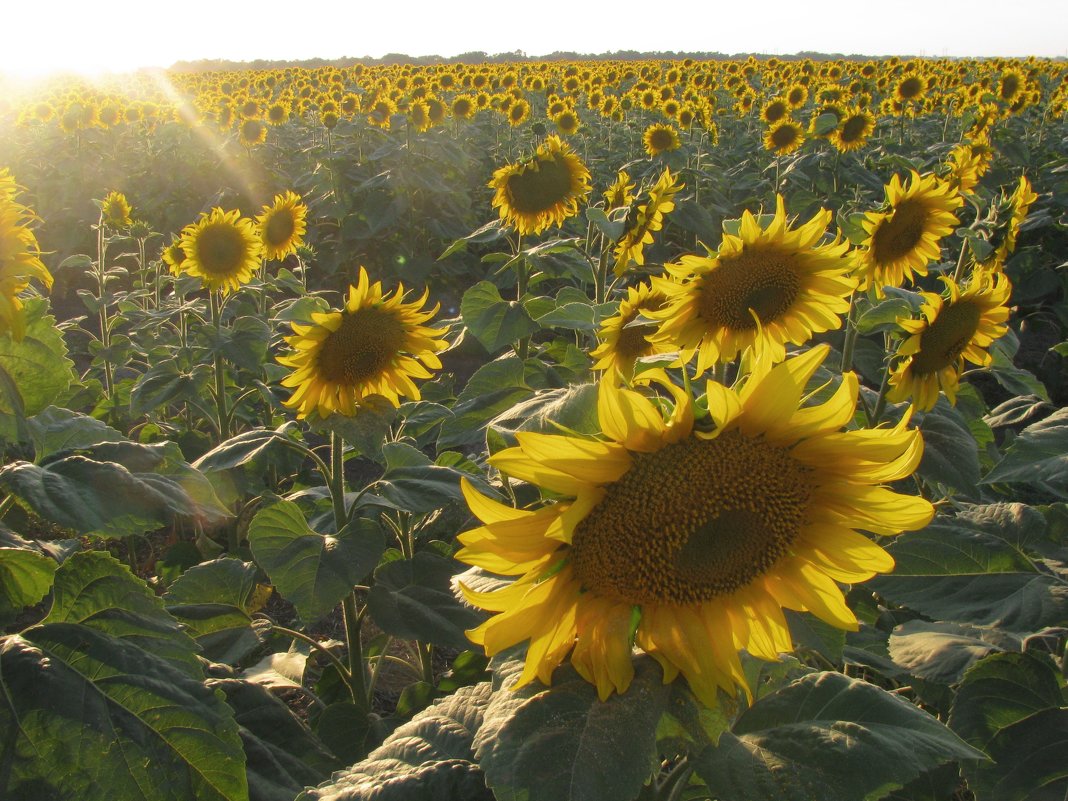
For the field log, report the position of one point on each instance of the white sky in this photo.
(122, 35)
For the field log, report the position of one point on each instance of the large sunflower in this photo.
(764, 287)
(282, 226)
(375, 345)
(543, 190)
(689, 543)
(950, 332)
(906, 238)
(624, 338)
(20, 258)
(222, 249)
(644, 220)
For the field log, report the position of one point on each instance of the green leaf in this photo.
(611, 229)
(574, 408)
(36, 371)
(419, 489)
(164, 384)
(56, 430)
(105, 699)
(979, 567)
(830, 737)
(25, 578)
(312, 571)
(950, 453)
(79, 492)
(808, 631)
(941, 652)
(547, 744)
(490, 232)
(242, 449)
(495, 322)
(413, 599)
(428, 758)
(572, 316)
(245, 343)
(215, 601)
(1038, 454)
(283, 756)
(883, 316)
(366, 430)
(1012, 707)
(824, 124)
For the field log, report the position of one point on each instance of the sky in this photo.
(123, 35)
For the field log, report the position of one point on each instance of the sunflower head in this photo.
(173, 256)
(20, 258)
(624, 337)
(115, 210)
(854, 128)
(541, 191)
(689, 543)
(374, 345)
(905, 238)
(222, 249)
(282, 226)
(784, 137)
(645, 220)
(951, 330)
(765, 287)
(660, 138)
(620, 193)
(252, 132)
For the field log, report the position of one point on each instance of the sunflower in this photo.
(222, 249)
(463, 107)
(567, 122)
(763, 288)
(518, 112)
(644, 221)
(620, 193)
(784, 137)
(173, 256)
(951, 331)
(542, 190)
(375, 345)
(1004, 242)
(689, 543)
(282, 226)
(20, 259)
(776, 109)
(115, 210)
(252, 132)
(911, 88)
(907, 237)
(965, 168)
(660, 138)
(624, 338)
(853, 130)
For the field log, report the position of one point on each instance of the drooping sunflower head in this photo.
(1012, 214)
(541, 191)
(951, 330)
(375, 345)
(645, 220)
(173, 256)
(222, 249)
(765, 287)
(660, 138)
(115, 210)
(904, 239)
(784, 137)
(282, 226)
(690, 543)
(624, 337)
(964, 168)
(620, 193)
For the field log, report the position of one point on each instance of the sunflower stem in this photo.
(850, 343)
(674, 784)
(336, 478)
(215, 302)
(426, 661)
(343, 671)
(355, 647)
(6, 504)
(105, 327)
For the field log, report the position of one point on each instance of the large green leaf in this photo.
(215, 601)
(539, 744)
(56, 430)
(244, 448)
(495, 322)
(1038, 455)
(413, 599)
(165, 383)
(25, 578)
(950, 453)
(980, 567)
(941, 652)
(35, 371)
(312, 571)
(105, 699)
(282, 755)
(1012, 707)
(116, 489)
(830, 737)
(574, 408)
(430, 758)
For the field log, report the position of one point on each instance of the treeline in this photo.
(480, 57)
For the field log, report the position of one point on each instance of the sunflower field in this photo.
(534, 431)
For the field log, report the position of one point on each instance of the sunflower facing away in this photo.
(222, 249)
(375, 345)
(906, 238)
(686, 543)
(764, 287)
(624, 338)
(282, 226)
(543, 190)
(645, 220)
(115, 210)
(1004, 241)
(951, 331)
